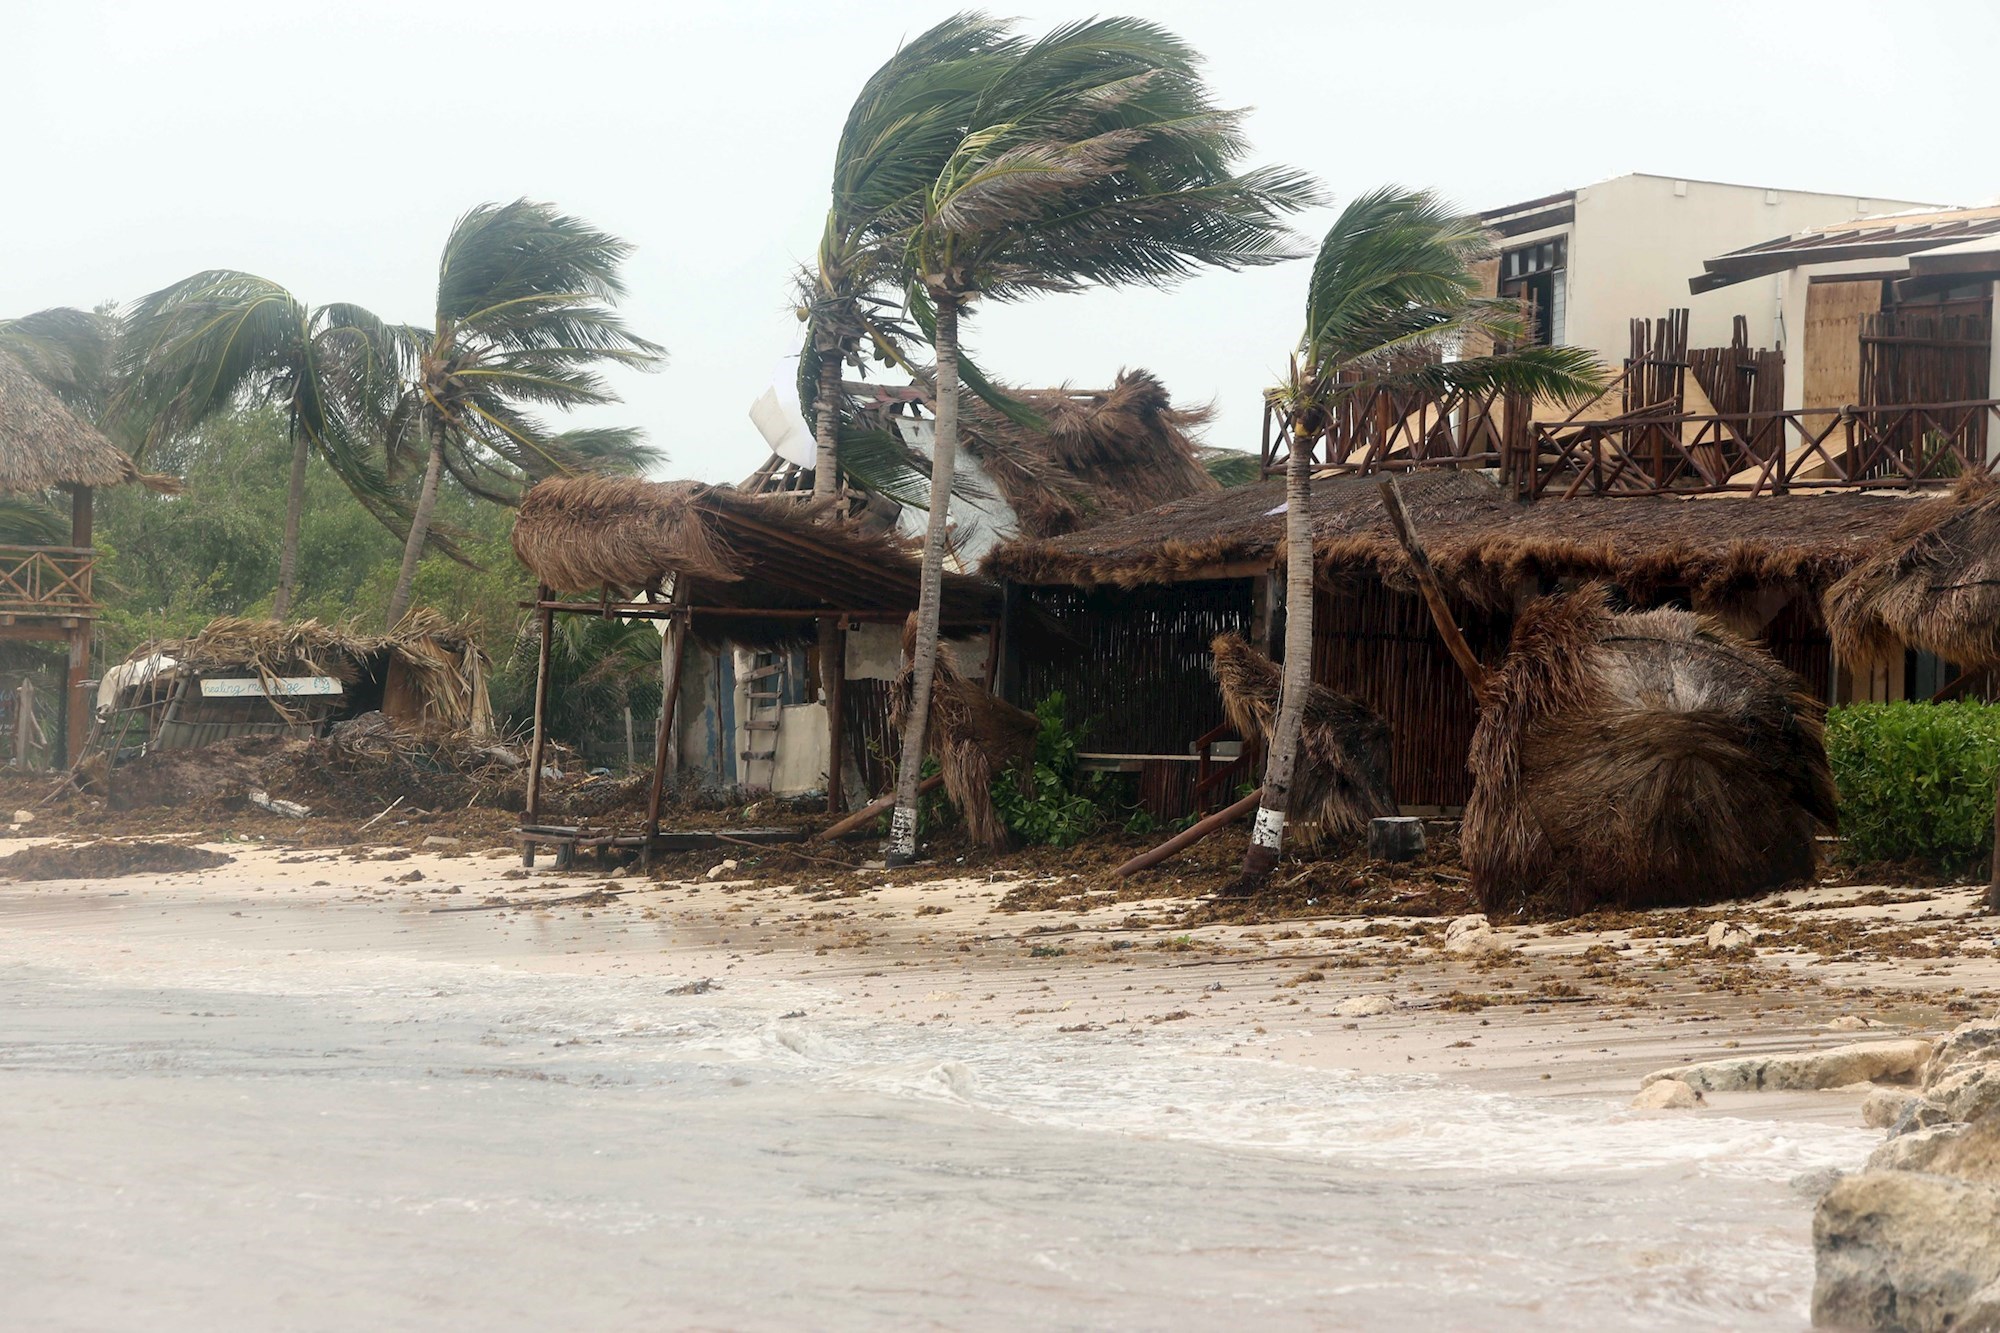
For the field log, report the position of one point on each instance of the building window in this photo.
(1536, 273)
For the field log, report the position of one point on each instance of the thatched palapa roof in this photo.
(1935, 585)
(1104, 454)
(1479, 538)
(44, 444)
(729, 550)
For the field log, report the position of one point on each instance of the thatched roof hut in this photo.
(727, 555)
(1342, 776)
(1481, 541)
(1934, 585)
(43, 444)
(1640, 759)
(428, 672)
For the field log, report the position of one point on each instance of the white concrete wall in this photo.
(802, 750)
(1638, 239)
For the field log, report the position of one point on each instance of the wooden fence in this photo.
(46, 580)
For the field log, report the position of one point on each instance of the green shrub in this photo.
(1059, 810)
(1916, 781)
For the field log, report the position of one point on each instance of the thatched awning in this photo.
(1934, 585)
(730, 551)
(1481, 540)
(44, 444)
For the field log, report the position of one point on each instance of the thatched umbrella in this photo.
(43, 444)
(1632, 759)
(1640, 759)
(973, 735)
(1342, 780)
(1935, 586)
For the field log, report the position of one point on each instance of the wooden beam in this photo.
(76, 704)
(1188, 837)
(545, 623)
(673, 649)
(1427, 583)
(833, 670)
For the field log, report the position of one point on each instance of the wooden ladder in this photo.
(762, 705)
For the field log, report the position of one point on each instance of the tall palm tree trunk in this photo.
(1267, 835)
(826, 424)
(944, 452)
(288, 552)
(420, 527)
(826, 467)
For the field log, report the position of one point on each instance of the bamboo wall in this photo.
(1380, 647)
(1134, 665)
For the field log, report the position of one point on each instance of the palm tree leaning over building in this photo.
(222, 338)
(1392, 300)
(69, 353)
(1091, 157)
(524, 320)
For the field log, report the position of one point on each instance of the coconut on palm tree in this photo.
(524, 321)
(1091, 157)
(222, 338)
(1392, 302)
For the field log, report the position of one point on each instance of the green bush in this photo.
(1059, 809)
(1916, 781)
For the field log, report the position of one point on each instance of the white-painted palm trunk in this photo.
(923, 664)
(1267, 834)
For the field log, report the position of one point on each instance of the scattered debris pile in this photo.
(107, 859)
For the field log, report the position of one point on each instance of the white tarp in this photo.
(776, 416)
(127, 676)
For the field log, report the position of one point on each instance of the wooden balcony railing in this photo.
(1754, 453)
(1650, 451)
(46, 580)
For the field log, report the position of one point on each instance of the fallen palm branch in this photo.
(973, 735)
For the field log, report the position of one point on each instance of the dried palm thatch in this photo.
(1342, 779)
(43, 443)
(1934, 585)
(446, 667)
(1101, 455)
(972, 734)
(1482, 541)
(1638, 760)
(726, 550)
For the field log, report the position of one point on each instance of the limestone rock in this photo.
(1884, 1107)
(1729, 935)
(1914, 1151)
(1473, 934)
(1968, 1044)
(1921, 1113)
(1904, 1250)
(1669, 1094)
(1868, 1062)
(1967, 1092)
(24, 816)
(1364, 1006)
(725, 868)
(1973, 1153)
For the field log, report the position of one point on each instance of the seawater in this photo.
(201, 1135)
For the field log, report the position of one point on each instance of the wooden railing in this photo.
(1754, 453)
(1216, 779)
(1650, 451)
(46, 580)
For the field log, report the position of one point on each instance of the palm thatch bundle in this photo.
(44, 444)
(1342, 777)
(972, 734)
(1640, 759)
(1934, 585)
(1099, 455)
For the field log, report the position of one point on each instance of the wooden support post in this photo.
(673, 648)
(1189, 837)
(833, 670)
(76, 704)
(545, 624)
(80, 517)
(1427, 582)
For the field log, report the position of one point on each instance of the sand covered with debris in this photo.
(1582, 1008)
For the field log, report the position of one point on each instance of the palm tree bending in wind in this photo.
(1091, 157)
(1392, 297)
(524, 320)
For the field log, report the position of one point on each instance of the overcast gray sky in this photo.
(329, 148)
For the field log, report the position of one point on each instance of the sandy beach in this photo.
(1333, 1049)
